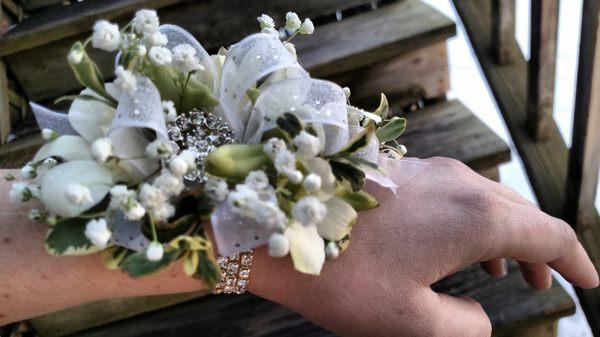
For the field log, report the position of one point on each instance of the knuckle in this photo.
(567, 235)
(448, 163)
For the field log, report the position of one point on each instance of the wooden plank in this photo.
(373, 37)
(503, 30)
(541, 68)
(12, 7)
(584, 157)
(60, 23)
(32, 5)
(4, 104)
(545, 162)
(449, 129)
(98, 313)
(510, 303)
(422, 73)
(419, 25)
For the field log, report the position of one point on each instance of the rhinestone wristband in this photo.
(235, 273)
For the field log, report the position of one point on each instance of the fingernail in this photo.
(504, 271)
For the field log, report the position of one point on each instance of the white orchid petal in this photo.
(132, 143)
(97, 178)
(307, 248)
(92, 119)
(66, 147)
(321, 167)
(339, 220)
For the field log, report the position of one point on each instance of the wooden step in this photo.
(366, 40)
(449, 129)
(514, 308)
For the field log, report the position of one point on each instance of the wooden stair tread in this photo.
(508, 301)
(449, 129)
(392, 30)
(373, 37)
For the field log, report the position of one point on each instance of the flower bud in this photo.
(279, 245)
(332, 250)
(155, 251)
(312, 183)
(98, 233)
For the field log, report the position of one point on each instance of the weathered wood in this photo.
(422, 73)
(541, 68)
(491, 173)
(32, 5)
(17, 153)
(4, 104)
(503, 30)
(12, 7)
(510, 303)
(94, 314)
(545, 162)
(449, 129)
(584, 157)
(373, 37)
(60, 23)
(416, 25)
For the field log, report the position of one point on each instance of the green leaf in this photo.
(360, 201)
(290, 124)
(344, 243)
(84, 97)
(137, 264)
(349, 172)
(391, 130)
(164, 80)
(88, 73)
(384, 107)
(67, 238)
(233, 162)
(197, 95)
(113, 256)
(208, 271)
(357, 143)
(339, 220)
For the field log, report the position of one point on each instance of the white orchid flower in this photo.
(307, 248)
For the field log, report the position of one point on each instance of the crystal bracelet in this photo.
(235, 273)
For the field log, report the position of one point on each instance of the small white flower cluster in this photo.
(159, 149)
(293, 26)
(106, 36)
(307, 147)
(170, 111)
(126, 80)
(184, 57)
(27, 186)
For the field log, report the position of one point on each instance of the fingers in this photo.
(506, 192)
(532, 236)
(536, 274)
(495, 267)
(456, 316)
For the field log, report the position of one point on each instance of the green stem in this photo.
(183, 90)
(153, 227)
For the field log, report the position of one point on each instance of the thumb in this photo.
(456, 316)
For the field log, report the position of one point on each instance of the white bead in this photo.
(98, 233)
(178, 166)
(312, 183)
(307, 27)
(279, 245)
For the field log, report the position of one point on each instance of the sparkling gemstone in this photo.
(212, 122)
(244, 273)
(234, 256)
(174, 133)
(228, 289)
(222, 261)
(232, 269)
(197, 118)
(243, 283)
(246, 260)
(230, 282)
(183, 122)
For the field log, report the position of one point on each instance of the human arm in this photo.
(446, 218)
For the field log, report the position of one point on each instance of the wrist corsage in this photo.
(244, 141)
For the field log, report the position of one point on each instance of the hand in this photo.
(442, 220)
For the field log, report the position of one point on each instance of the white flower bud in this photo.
(309, 211)
(266, 21)
(292, 22)
(106, 36)
(295, 176)
(307, 145)
(159, 149)
(155, 251)
(190, 158)
(271, 31)
(48, 134)
(98, 233)
(102, 149)
(184, 57)
(346, 92)
(157, 39)
(36, 215)
(332, 250)
(291, 48)
(312, 183)
(135, 212)
(178, 166)
(141, 50)
(75, 57)
(279, 245)
(402, 149)
(126, 80)
(273, 146)
(169, 110)
(161, 56)
(307, 27)
(78, 194)
(28, 172)
(19, 192)
(216, 189)
(146, 22)
(257, 180)
(169, 184)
